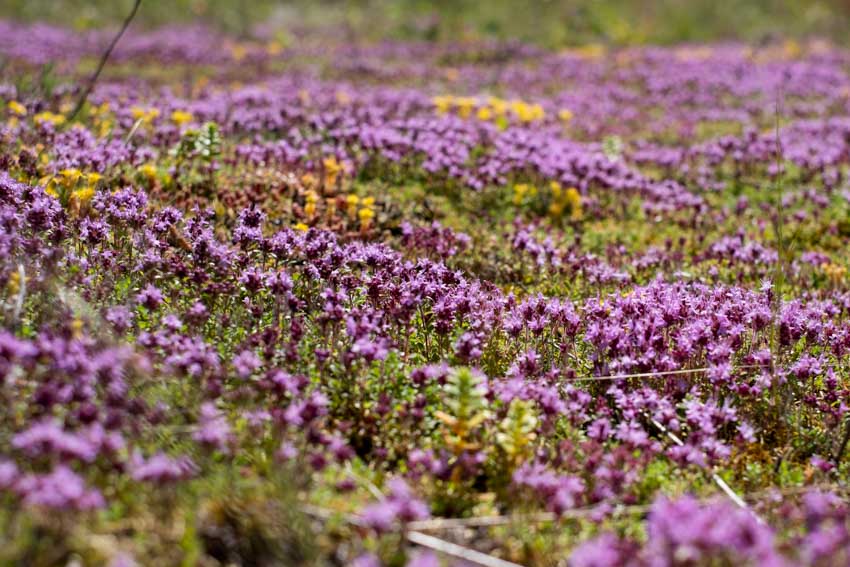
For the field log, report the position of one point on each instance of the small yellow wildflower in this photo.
(484, 113)
(365, 215)
(84, 195)
(149, 171)
(181, 117)
(331, 165)
(499, 106)
(70, 176)
(13, 286)
(834, 272)
(144, 114)
(351, 202)
(465, 105)
(103, 127)
(565, 115)
(527, 112)
(573, 199)
(50, 187)
(332, 170)
(521, 191)
(77, 327)
(792, 49)
(17, 108)
(238, 52)
(79, 200)
(49, 117)
(274, 47)
(443, 103)
(310, 207)
(302, 227)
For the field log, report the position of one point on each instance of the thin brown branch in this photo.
(85, 95)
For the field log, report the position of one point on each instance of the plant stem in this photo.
(103, 59)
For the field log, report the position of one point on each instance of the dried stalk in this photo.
(85, 95)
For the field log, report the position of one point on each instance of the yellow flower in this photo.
(443, 103)
(308, 180)
(310, 207)
(365, 215)
(149, 171)
(834, 272)
(17, 108)
(791, 49)
(13, 285)
(238, 52)
(332, 170)
(77, 327)
(84, 195)
(93, 178)
(573, 199)
(465, 105)
(521, 190)
(351, 202)
(331, 165)
(368, 202)
(104, 127)
(499, 106)
(49, 117)
(565, 115)
(144, 114)
(181, 117)
(302, 227)
(274, 47)
(484, 113)
(70, 176)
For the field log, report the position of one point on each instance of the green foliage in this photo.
(208, 142)
(549, 22)
(464, 400)
(517, 432)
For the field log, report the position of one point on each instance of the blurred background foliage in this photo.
(550, 23)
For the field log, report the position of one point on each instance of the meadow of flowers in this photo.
(294, 301)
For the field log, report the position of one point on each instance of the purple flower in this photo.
(61, 489)
(245, 363)
(161, 469)
(150, 297)
(213, 429)
(400, 505)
